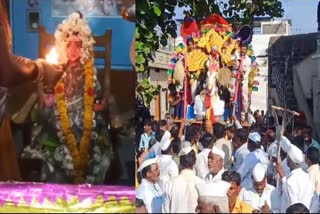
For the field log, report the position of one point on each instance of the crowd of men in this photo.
(226, 169)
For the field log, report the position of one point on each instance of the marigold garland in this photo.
(80, 155)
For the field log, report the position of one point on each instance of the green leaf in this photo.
(139, 45)
(147, 50)
(137, 34)
(149, 36)
(156, 10)
(140, 59)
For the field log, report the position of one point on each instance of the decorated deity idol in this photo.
(73, 134)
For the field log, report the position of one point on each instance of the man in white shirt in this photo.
(256, 155)
(297, 188)
(262, 196)
(223, 144)
(168, 167)
(215, 165)
(241, 146)
(213, 201)
(312, 160)
(201, 166)
(181, 195)
(149, 191)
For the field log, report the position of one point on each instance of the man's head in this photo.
(187, 158)
(294, 157)
(193, 134)
(297, 208)
(191, 44)
(270, 136)
(149, 170)
(234, 179)
(163, 125)
(209, 201)
(243, 50)
(207, 140)
(140, 206)
(241, 137)
(215, 160)
(147, 126)
(259, 178)
(231, 132)
(219, 130)
(312, 156)
(307, 134)
(254, 141)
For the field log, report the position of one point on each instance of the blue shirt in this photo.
(144, 140)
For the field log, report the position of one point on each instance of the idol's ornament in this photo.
(214, 61)
(71, 137)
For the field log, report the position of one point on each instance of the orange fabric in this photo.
(9, 167)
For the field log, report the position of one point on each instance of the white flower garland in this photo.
(74, 23)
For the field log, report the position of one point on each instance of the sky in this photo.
(303, 14)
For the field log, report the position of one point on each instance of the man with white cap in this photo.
(297, 188)
(213, 197)
(201, 166)
(149, 191)
(181, 195)
(256, 155)
(168, 167)
(262, 196)
(215, 164)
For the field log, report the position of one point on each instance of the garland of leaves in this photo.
(80, 156)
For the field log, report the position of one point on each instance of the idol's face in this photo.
(74, 48)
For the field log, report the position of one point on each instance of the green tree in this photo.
(155, 24)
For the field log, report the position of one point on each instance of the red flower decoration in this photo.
(90, 92)
(59, 89)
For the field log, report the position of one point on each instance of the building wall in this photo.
(26, 43)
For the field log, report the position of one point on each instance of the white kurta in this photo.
(181, 195)
(156, 149)
(239, 156)
(269, 195)
(226, 146)
(217, 177)
(168, 170)
(297, 188)
(151, 195)
(314, 174)
(201, 165)
(246, 168)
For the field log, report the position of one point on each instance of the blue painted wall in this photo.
(26, 43)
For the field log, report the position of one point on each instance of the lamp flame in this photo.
(52, 57)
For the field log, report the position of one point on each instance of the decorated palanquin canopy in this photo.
(54, 198)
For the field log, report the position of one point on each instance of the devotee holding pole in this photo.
(262, 197)
(236, 205)
(201, 166)
(181, 195)
(297, 187)
(213, 197)
(215, 164)
(257, 155)
(149, 191)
